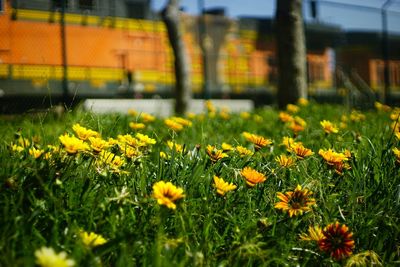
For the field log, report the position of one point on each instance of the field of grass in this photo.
(97, 190)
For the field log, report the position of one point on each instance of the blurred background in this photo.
(58, 50)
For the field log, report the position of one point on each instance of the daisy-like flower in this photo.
(289, 143)
(396, 152)
(244, 152)
(145, 139)
(222, 186)
(182, 121)
(382, 107)
(130, 140)
(357, 116)
(84, 133)
(252, 176)
(292, 108)
(302, 101)
(285, 161)
(297, 125)
(72, 144)
(173, 125)
(224, 114)
(210, 107)
(285, 117)
(112, 160)
(227, 147)
(167, 193)
(338, 241)
(174, 146)
(215, 154)
(92, 239)
(301, 151)
(129, 152)
(147, 117)
(17, 148)
(137, 125)
(329, 127)
(36, 153)
(164, 155)
(47, 257)
(314, 234)
(98, 144)
(295, 202)
(258, 141)
(335, 159)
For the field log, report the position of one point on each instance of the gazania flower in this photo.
(314, 234)
(147, 117)
(112, 160)
(129, 140)
(301, 151)
(222, 186)
(302, 101)
(252, 176)
(395, 114)
(92, 239)
(289, 143)
(36, 153)
(210, 107)
(17, 148)
(47, 257)
(226, 147)
(244, 115)
(145, 139)
(285, 161)
(182, 121)
(244, 152)
(329, 127)
(337, 241)
(215, 154)
(167, 193)
(84, 133)
(72, 144)
(335, 159)
(129, 152)
(295, 202)
(396, 152)
(292, 108)
(173, 125)
(357, 116)
(257, 140)
(285, 117)
(381, 107)
(174, 146)
(98, 144)
(137, 126)
(297, 125)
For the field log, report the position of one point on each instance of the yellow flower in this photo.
(226, 147)
(289, 143)
(295, 202)
(257, 118)
(145, 139)
(84, 133)
(173, 125)
(222, 186)
(252, 176)
(36, 153)
(147, 117)
(243, 152)
(329, 127)
(285, 117)
(297, 125)
(24, 142)
(72, 144)
(129, 152)
(17, 148)
(47, 257)
(357, 116)
(302, 101)
(92, 239)
(130, 140)
(174, 146)
(98, 144)
(215, 154)
(396, 152)
(292, 108)
(132, 112)
(257, 140)
(112, 160)
(301, 151)
(167, 193)
(314, 234)
(210, 107)
(244, 115)
(395, 114)
(337, 160)
(182, 121)
(285, 161)
(164, 155)
(137, 126)
(381, 107)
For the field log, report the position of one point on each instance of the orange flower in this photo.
(295, 202)
(337, 241)
(301, 151)
(215, 154)
(252, 176)
(257, 140)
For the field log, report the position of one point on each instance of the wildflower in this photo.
(289, 143)
(285, 117)
(147, 117)
(112, 160)
(302, 101)
(252, 176)
(36, 153)
(337, 241)
(257, 140)
(366, 258)
(129, 152)
(285, 161)
(167, 193)
(295, 202)
(173, 125)
(84, 133)
(137, 126)
(182, 121)
(335, 159)
(297, 125)
(244, 115)
(72, 144)
(226, 147)
(357, 116)
(292, 108)
(395, 114)
(210, 107)
(329, 127)
(224, 114)
(164, 155)
(257, 118)
(381, 107)
(98, 144)
(222, 186)
(132, 112)
(47, 257)
(174, 146)
(215, 154)
(244, 152)
(17, 148)
(92, 239)
(112, 141)
(145, 139)
(396, 152)
(130, 140)
(301, 151)
(314, 234)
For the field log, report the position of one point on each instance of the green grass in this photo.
(46, 202)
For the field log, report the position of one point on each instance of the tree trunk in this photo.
(291, 52)
(183, 91)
